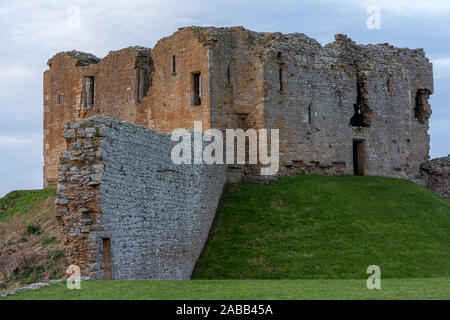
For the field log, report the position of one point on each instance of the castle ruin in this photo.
(341, 108)
(332, 104)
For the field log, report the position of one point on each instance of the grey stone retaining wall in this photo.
(156, 214)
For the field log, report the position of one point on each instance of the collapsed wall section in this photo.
(126, 210)
(435, 176)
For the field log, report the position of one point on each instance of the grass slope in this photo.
(20, 201)
(30, 249)
(307, 227)
(319, 227)
(432, 288)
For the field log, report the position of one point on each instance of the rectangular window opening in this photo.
(309, 114)
(88, 92)
(280, 78)
(142, 85)
(174, 64)
(421, 105)
(197, 86)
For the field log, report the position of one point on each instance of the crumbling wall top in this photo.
(85, 58)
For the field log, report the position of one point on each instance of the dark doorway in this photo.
(107, 259)
(358, 158)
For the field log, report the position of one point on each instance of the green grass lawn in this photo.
(431, 288)
(319, 227)
(303, 237)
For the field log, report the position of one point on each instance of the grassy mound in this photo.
(318, 227)
(30, 249)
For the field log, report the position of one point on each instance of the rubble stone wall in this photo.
(436, 176)
(117, 182)
(319, 88)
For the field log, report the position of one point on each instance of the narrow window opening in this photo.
(106, 244)
(142, 84)
(358, 158)
(174, 64)
(228, 76)
(309, 114)
(88, 92)
(280, 78)
(197, 86)
(389, 85)
(422, 108)
(58, 98)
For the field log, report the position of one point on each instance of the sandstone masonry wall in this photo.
(117, 182)
(258, 80)
(170, 104)
(114, 94)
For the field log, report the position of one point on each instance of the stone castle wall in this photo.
(117, 182)
(435, 175)
(114, 94)
(169, 102)
(258, 80)
(315, 101)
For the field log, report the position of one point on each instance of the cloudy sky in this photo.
(33, 31)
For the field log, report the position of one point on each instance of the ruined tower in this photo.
(341, 108)
(128, 212)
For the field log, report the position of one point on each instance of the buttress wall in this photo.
(118, 185)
